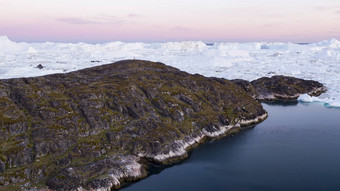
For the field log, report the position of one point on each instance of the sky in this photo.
(96, 21)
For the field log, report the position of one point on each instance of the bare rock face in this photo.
(115, 169)
(2, 166)
(280, 88)
(93, 128)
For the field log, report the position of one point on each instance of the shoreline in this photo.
(123, 120)
(140, 164)
(237, 159)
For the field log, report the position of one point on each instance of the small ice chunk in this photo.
(306, 98)
(327, 102)
(238, 53)
(31, 50)
(333, 104)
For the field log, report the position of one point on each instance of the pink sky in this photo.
(159, 21)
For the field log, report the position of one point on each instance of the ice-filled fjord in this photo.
(317, 61)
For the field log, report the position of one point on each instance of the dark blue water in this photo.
(296, 148)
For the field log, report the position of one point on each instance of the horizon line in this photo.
(146, 41)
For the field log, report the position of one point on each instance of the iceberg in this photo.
(327, 102)
(231, 60)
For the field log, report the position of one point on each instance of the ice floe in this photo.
(249, 61)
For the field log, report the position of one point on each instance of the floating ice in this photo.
(327, 102)
(249, 61)
(308, 99)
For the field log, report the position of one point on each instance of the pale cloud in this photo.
(99, 20)
(323, 8)
(76, 21)
(180, 28)
(111, 19)
(132, 15)
(334, 30)
(139, 20)
(269, 25)
(326, 8)
(156, 26)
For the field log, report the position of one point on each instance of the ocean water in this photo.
(296, 148)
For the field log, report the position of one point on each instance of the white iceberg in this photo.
(249, 61)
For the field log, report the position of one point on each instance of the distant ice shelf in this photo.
(249, 61)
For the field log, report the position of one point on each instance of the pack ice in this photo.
(249, 61)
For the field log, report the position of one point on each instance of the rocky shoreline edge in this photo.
(98, 128)
(137, 165)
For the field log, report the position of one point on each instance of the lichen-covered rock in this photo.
(91, 129)
(2, 166)
(247, 86)
(280, 88)
(102, 174)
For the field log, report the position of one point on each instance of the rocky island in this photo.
(96, 128)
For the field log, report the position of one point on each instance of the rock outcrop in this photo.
(94, 128)
(280, 88)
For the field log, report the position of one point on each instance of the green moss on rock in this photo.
(70, 130)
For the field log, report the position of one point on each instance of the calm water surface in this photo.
(296, 148)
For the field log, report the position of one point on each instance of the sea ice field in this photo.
(249, 61)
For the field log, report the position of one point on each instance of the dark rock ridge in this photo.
(280, 88)
(95, 128)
